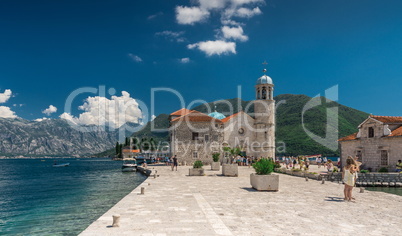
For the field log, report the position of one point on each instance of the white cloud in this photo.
(190, 15)
(50, 110)
(41, 119)
(172, 35)
(230, 22)
(185, 60)
(212, 4)
(135, 57)
(217, 47)
(230, 29)
(243, 2)
(154, 16)
(5, 96)
(234, 33)
(247, 13)
(6, 112)
(113, 112)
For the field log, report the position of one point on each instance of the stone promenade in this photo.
(178, 204)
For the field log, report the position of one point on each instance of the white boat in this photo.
(61, 165)
(129, 166)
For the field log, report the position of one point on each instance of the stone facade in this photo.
(378, 143)
(196, 136)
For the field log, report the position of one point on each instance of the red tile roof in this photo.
(388, 119)
(349, 137)
(396, 132)
(181, 112)
(196, 116)
(224, 120)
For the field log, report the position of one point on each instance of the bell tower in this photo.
(264, 113)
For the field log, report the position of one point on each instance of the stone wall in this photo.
(371, 151)
(189, 150)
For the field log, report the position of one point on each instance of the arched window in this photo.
(258, 94)
(370, 132)
(264, 93)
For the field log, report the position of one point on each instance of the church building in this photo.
(377, 144)
(196, 136)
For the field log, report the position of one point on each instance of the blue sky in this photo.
(202, 49)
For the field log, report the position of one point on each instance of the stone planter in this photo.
(312, 176)
(196, 172)
(289, 172)
(215, 166)
(230, 170)
(298, 173)
(264, 182)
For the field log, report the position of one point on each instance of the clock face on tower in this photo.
(241, 131)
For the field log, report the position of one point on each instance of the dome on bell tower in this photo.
(265, 79)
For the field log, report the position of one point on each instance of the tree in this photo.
(135, 143)
(232, 152)
(127, 142)
(117, 148)
(152, 144)
(120, 151)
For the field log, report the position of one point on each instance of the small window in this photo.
(359, 156)
(206, 138)
(370, 132)
(195, 155)
(384, 157)
(195, 136)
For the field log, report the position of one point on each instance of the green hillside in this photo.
(161, 122)
(289, 129)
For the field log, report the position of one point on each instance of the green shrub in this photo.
(364, 171)
(264, 166)
(383, 169)
(296, 170)
(277, 164)
(215, 157)
(197, 164)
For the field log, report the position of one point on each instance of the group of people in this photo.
(292, 162)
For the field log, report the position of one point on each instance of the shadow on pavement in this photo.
(334, 199)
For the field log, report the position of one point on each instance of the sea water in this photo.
(38, 199)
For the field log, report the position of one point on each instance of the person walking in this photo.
(287, 161)
(318, 160)
(399, 166)
(174, 163)
(330, 166)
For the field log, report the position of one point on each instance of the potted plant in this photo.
(230, 169)
(263, 179)
(215, 165)
(197, 169)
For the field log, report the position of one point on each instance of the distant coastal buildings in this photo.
(377, 144)
(196, 136)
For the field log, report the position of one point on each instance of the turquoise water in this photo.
(392, 190)
(38, 199)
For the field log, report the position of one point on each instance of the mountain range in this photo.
(52, 137)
